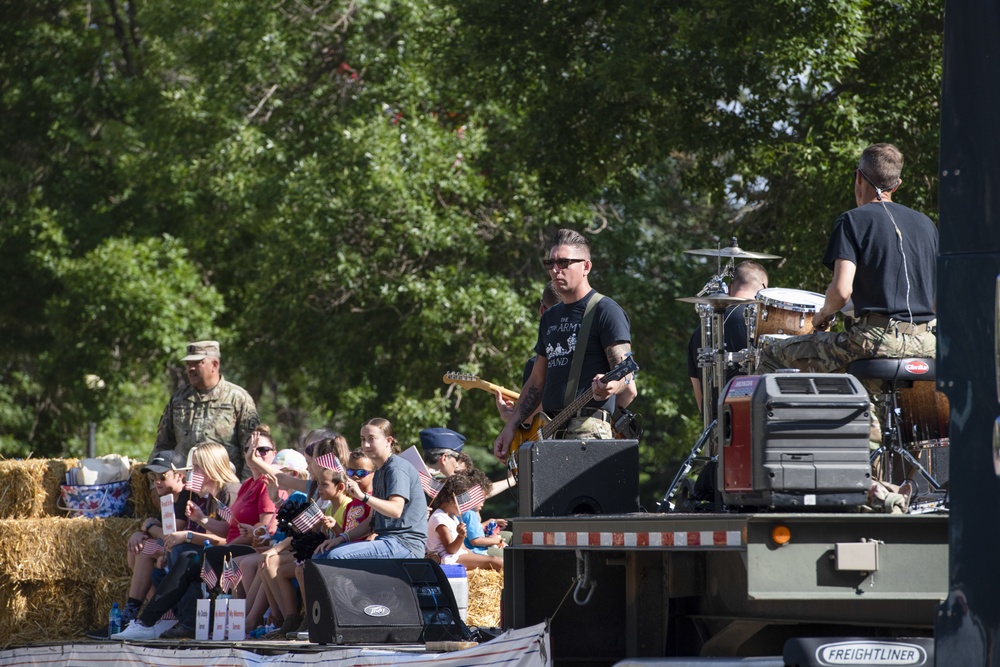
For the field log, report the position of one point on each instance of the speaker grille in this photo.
(840, 386)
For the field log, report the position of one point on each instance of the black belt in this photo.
(886, 322)
(595, 413)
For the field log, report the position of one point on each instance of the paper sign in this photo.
(221, 615)
(237, 630)
(203, 620)
(168, 519)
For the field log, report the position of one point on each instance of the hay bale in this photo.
(142, 500)
(48, 550)
(52, 611)
(485, 597)
(29, 489)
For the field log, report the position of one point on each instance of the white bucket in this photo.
(460, 586)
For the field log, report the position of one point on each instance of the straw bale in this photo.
(485, 595)
(142, 500)
(29, 489)
(55, 611)
(50, 550)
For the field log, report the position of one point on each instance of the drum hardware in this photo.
(668, 504)
(899, 430)
(732, 251)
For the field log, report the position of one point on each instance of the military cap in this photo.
(441, 438)
(201, 349)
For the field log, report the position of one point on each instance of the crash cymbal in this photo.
(716, 300)
(734, 252)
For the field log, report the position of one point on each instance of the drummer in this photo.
(883, 259)
(748, 278)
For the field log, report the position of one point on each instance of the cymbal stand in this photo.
(686, 467)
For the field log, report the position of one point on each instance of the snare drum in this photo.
(786, 311)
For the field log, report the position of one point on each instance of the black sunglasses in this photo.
(360, 473)
(263, 451)
(562, 263)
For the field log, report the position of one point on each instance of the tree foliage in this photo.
(353, 197)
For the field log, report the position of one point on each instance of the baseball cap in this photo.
(203, 348)
(441, 438)
(164, 461)
(289, 459)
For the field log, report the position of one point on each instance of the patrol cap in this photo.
(201, 349)
(441, 438)
(165, 460)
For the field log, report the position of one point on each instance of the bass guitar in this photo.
(542, 427)
(467, 381)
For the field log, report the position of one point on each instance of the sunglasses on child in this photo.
(360, 473)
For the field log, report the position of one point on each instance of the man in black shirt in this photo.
(883, 258)
(748, 279)
(608, 343)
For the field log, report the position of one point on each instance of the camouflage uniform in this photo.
(828, 352)
(587, 428)
(226, 414)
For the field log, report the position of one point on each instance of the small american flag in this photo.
(224, 512)
(330, 461)
(431, 485)
(231, 576)
(208, 575)
(151, 547)
(470, 499)
(195, 480)
(307, 518)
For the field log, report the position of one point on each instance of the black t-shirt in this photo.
(557, 341)
(734, 338)
(867, 237)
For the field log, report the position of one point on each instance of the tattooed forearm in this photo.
(530, 400)
(617, 352)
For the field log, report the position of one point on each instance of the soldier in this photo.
(210, 409)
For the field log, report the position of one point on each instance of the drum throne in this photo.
(914, 417)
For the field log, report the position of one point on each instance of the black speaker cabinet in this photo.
(566, 477)
(380, 601)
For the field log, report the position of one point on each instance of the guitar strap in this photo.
(582, 337)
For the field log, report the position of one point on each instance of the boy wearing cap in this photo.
(209, 409)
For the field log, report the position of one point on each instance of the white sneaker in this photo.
(163, 625)
(135, 631)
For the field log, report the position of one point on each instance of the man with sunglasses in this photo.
(441, 447)
(883, 257)
(209, 409)
(608, 342)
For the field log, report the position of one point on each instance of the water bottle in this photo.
(114, 620)
(491, 527)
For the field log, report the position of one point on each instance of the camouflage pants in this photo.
(587, 428)
(829, 352)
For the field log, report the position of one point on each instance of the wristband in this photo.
(190, 537)
(366, 498)
(347, 538)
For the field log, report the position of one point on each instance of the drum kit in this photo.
(773, 315)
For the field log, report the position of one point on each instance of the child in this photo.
(361, 469)
(446, 531)
(399, 508)
(476, 539)
(167, 474)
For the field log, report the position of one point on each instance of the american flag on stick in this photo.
(331, 462)
(471, 499)
(151, 547)
(195, 480)
(307, 518)
(208, 575)
(431, 485)
(231, 575)
(224, 512)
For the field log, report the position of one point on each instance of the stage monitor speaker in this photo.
(380, 601)
(566, 477)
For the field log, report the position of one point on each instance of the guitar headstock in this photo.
(463, 380)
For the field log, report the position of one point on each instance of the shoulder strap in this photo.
(582, 336)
